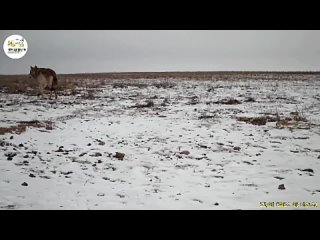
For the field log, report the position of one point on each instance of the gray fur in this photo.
(47, 79)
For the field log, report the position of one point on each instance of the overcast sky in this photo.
(72, 51)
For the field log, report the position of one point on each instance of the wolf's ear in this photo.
(31, 67)
(35, 67)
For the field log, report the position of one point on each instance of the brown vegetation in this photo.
(22, 127)
(23, 84)
(253, 120)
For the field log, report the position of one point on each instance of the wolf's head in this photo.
(33, 72)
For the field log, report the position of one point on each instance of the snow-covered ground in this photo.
(183, 150)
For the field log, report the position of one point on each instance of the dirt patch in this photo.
(230, 101)
(207, 117)
(259, 121)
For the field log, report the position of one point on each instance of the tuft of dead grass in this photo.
(296, 120)
(259, 121)
(22, 127)
(230, 101)
(148, 104)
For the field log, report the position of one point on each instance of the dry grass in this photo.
(259, 121)
(67, 84)
(13, 129)
(296, 120)
(129, 84)
(230, 75)
(22, 127)
(20, 83)
(298, 116)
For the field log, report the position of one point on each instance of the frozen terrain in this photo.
(186, 145)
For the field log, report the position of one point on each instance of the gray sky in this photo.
(72, 51)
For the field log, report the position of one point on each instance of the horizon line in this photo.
(201, 71)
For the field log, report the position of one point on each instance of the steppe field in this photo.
(183, 140)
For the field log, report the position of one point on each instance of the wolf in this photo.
(47, 79)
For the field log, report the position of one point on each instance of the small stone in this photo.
(122, 196)
(308, 170)
(45, 177)
(26, 156)
(99, 161)
(49, 128)
(216, 204)
(281, 187)
(60, 150)
(236, 148)
(24, 184)
(11, 155)
(32, 175)
(97, 154)
(250, 99)
(11, 137)
(21, 145)
(280, 178)
(185, 152)
(9, 158)
(89, 144)
(203, 146)
(119, 155)
(101, 143)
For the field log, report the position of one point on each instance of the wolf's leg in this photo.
(41, 92)
(50, 94)
(55, 93)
